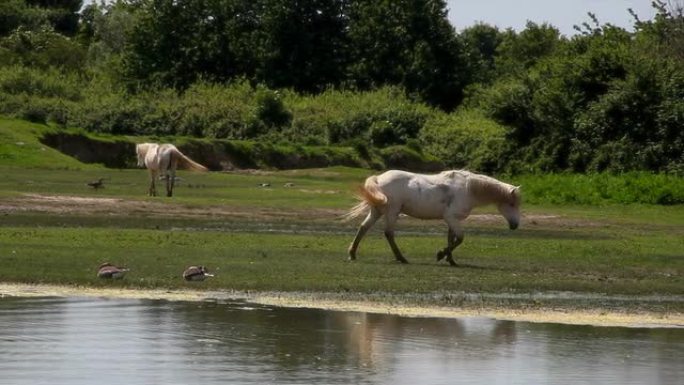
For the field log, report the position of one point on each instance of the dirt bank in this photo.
(596, 317)
(219, 154)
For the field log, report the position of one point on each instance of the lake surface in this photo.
(127, 341)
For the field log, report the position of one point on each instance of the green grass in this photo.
(20, 147)
(290, 239)
(321, 187)
(489, 262)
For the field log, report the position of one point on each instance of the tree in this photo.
(520, 51)
(408, 43)
(303, 44)
(11, 15)
(175, 42)
(480, 46)
(666, 30)
(307, 45)
(62, 14)
(43, 48)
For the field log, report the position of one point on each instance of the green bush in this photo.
(465, 139)
(39, 95)
(596, 102)
(602, 188)
(384, 116)
(44, 48)
(406, 158)
(49, 83)
(633, 126)
(270, 109)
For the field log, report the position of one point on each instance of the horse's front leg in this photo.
(454, 238)
(390, 221)
(447, 250)
(367, 223)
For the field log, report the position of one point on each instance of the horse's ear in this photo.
(515, 190)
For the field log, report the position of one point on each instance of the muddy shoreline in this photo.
(595, 316)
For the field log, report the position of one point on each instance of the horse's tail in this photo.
(369, 195)
(186, 162)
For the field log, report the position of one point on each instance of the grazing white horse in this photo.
(450, 195)
(163, 159)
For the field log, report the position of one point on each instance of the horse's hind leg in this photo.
(170, 180)
(152, 190)
(171, 177)
(367, 223)
(390, 221)
(395, 249)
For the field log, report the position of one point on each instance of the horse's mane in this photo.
(488, 189)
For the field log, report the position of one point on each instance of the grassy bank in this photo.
(275, 259)
(23, 145)
(57, 230)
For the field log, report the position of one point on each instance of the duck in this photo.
(97, 183)
(107, 270)
(196, 273)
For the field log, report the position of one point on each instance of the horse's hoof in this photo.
(440, 255)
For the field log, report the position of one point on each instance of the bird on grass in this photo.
(97, 184)
(196, 273)
(109, 271)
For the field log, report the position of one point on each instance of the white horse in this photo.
(163, 159)
(450, 195)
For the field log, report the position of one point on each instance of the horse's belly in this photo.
(423, 211)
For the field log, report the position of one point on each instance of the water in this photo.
(124, 341)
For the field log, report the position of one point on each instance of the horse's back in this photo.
(166, 147)
(426, 196)
(393, 176)
(455, 178)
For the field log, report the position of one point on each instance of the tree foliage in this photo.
(607, 99)
(369, 73)
(307, 45)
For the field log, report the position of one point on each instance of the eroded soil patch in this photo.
(69, 204)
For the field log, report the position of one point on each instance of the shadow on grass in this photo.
(423, 262)
(541, 234)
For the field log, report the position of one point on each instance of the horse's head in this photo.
(141, 151)
(510, 208)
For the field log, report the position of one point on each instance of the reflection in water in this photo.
(83, 340)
